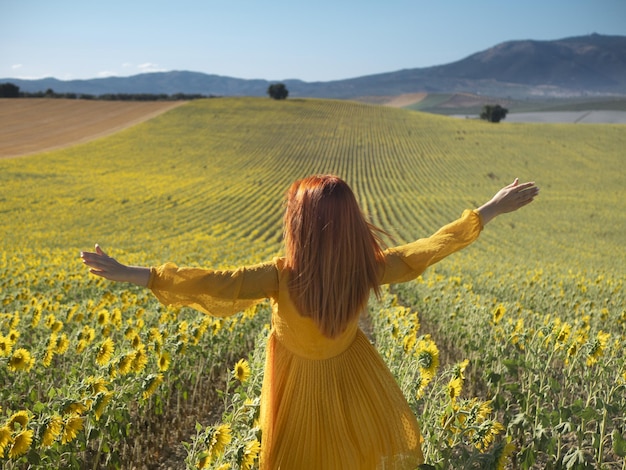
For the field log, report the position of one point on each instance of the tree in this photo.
(9, 90)
(278, 91)
(493, 113)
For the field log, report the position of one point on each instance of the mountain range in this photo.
(593, 65)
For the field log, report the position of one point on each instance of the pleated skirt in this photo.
(342, 413)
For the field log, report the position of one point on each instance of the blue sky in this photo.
(313, 41)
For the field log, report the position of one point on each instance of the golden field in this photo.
(203, 183)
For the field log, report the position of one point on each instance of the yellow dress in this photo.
(326, 404)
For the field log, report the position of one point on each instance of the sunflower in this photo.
(21, 444)
(135, 341)
(562, 335)
(164, 361)
(21, 418)
(219, 439)
(597, 347)
(498, 313)
(125, 363)
(5, 439)
(21, 360)
(519, 334)
(139, 360)
(454, 388)
(421, 383)
(427, 357)
(459, 369)
(80, 347)
(408, 342)
(36, 318)
(89, 334)
(5, 346)
(63, 343)
(97, 384)
(196, 334)
(100, 403)
(73, 426)
(503, 454)
(155, 336)
(116, 317)
(242, 370)
(484, 410)
(50, 319)
(103, 356)
(70, 315)
(203, 460)
(249, 454)
(216, 326)
(57, 326)
(150, 384)
(486, 433)
(13, 336)
(50, 350)
(54, 426)
(103, 317)
(74, 408)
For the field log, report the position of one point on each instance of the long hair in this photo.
(332, 252)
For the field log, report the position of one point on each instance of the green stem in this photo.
(602, 433)
(96, 461)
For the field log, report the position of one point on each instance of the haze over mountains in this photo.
(579, 66)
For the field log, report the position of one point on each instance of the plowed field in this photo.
(34, 125)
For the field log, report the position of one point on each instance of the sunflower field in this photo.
(510, 352)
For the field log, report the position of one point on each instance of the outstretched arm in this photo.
(508, 199)
(102, 265)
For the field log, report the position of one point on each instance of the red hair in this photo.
(332, 252)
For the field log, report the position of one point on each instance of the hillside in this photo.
(586, 65)
(196, 165)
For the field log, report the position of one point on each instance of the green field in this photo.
(203, 185)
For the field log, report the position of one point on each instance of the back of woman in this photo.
(328, 400)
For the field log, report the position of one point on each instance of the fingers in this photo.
(523, 186)
(92, 256)
(100, 264)
(526, 194)
(98, 261)
(97, 273)
(514, 183)
(529, 191)
(99, 250)
(103, 265)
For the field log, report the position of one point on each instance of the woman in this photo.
(328, 400)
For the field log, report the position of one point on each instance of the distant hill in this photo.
(593, 65)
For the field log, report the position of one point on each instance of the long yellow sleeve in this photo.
(406, 262)
(216, 292)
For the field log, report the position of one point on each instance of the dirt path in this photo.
(32, 125)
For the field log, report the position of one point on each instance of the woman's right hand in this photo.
(105, 266)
